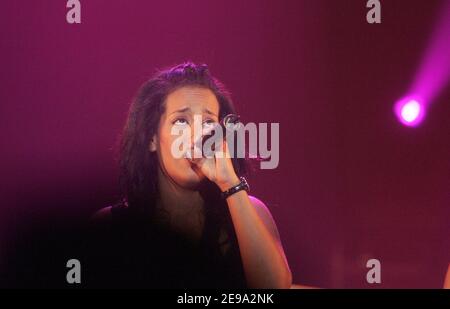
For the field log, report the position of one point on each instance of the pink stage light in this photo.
(433, 73)
(410, 111)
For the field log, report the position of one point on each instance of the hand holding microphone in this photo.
(216, 163)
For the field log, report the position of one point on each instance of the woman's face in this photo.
(180, 108)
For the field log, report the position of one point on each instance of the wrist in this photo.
(242, 185)
(229, 183)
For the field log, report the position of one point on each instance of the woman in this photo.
(174, 228)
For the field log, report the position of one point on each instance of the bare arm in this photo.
(263, 258)
(262, 254)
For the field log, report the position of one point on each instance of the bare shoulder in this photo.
(102, 215)
(265, 215)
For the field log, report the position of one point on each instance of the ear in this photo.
(153, 142)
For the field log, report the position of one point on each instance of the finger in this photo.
(223, 151)
(226, 149)
(219, 152)
(222, 159)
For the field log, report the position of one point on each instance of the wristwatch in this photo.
(243, 185)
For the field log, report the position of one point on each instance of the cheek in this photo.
(179, 169)
(181, 141)
(165, 148)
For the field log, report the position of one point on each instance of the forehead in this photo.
(196, 98)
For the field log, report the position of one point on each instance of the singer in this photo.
(182, 222)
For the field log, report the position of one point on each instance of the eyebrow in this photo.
(188, 108)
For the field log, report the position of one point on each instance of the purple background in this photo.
(352, 183)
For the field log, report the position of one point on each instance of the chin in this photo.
(191, 180)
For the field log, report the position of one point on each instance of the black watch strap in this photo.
(243, 185)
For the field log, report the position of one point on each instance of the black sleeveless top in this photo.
(130, 251)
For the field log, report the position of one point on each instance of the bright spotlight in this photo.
(410, 112)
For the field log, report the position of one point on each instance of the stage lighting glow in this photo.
(432, 75)
(410, 112)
